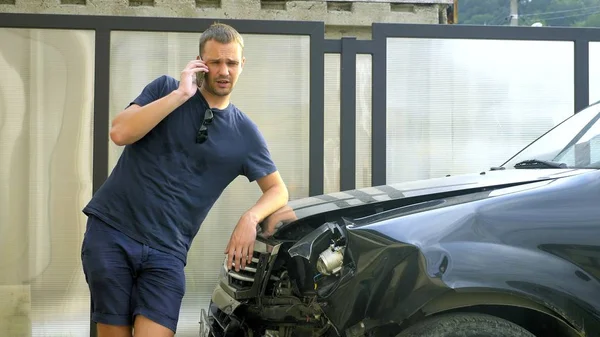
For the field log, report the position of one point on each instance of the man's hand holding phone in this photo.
(188, 83)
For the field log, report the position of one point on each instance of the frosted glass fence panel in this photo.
(273, 90)
(332, 124)
(456, 106)
(363, 120)
(46, 114)
(594, 72)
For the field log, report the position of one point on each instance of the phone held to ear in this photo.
(200, 76)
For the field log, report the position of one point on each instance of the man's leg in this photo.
(113, 331)
(160, 290)
(147, 328)
(108, 266)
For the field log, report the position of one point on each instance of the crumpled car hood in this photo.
(301, 209)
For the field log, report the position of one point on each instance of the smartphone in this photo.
(200, 78)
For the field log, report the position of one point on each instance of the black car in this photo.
(513, 251)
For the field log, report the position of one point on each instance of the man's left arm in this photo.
(258, 167)
(241, 245)
(274, 196)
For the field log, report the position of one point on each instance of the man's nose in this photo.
(223, 69)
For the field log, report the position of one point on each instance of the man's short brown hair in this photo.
(221, 33)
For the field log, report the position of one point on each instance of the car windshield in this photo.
(574, 143)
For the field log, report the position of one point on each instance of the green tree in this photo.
(566, 13)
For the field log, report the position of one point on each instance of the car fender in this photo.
(391, 280)
(457, 300)
(460, 274)
(394, 282)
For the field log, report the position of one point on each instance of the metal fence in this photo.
(348, 48)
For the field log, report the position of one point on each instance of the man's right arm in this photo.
(136, 121)
(133, 123)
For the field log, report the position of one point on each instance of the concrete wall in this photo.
(342, 18)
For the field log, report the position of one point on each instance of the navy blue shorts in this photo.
(127, 278)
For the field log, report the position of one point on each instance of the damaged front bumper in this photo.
(234, 288)
(218, 321)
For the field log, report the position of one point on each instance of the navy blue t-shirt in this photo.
(164, 185)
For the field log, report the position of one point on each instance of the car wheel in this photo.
(465, 325)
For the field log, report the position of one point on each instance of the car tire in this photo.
(465, 325)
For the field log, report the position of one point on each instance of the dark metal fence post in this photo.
(101, 121)
(317, 113)
(101, 107)
(348, 114)
(582, 74)
(379, 107)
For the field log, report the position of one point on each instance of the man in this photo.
(179, 156)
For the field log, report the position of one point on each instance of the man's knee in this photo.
(146, 327)
(104, 330)
(153, 311)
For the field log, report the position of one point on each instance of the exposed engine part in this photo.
(330, 260)
(284, 286)
(356, 330)
(286, 309)
(271, 333)
(316, 241)
(297, 331)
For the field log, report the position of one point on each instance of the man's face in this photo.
(225, 63)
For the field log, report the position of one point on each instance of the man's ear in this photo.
(243, 62)
(198, 57)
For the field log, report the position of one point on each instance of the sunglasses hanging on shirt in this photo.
(202, 134)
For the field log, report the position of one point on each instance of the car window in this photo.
(585, 152)
(574, 142)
